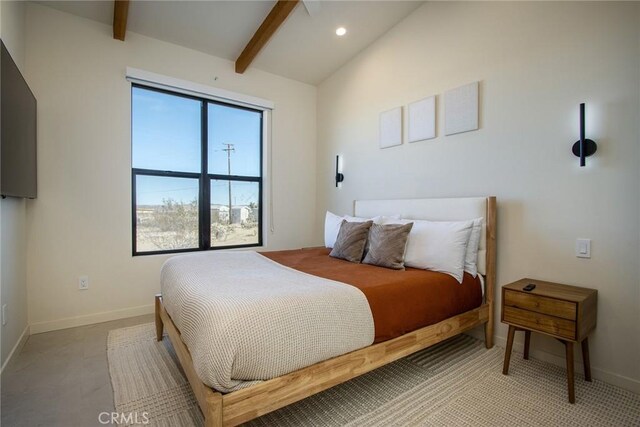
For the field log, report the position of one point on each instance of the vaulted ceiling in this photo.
(304, 48)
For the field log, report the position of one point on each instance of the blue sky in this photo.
(166, 136)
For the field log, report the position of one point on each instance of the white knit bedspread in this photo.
(246, 318)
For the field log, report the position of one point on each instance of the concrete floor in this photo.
(61, 378)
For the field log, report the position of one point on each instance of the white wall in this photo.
(81, 222)
(536, 63)
(13, 230)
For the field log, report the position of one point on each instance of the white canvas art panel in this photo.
(391, 128)
(422, 119)
(461, 109)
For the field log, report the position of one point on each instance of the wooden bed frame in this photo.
(243, 405)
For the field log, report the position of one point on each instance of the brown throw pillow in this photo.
(387, 245)
(351, 241)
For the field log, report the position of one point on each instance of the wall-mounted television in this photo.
(17, 132)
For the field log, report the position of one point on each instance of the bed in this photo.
(460, 307)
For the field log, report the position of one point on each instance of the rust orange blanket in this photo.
(400, 301)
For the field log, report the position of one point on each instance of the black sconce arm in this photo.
(339, 175)
(584, 147)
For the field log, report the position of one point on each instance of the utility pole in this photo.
(229, 148)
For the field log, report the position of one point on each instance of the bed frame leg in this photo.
(488, 327)
(213, 414)
(488, 330)
(159, 324)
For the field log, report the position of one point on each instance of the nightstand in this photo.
(565, 312)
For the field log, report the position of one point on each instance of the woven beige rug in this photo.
(456, 383)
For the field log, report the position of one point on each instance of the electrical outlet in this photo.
(4, 314)
(83, 283)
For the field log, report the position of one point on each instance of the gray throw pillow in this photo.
(351, 241)
(387, 245)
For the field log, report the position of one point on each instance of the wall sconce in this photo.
(339, 175)
(584, 147)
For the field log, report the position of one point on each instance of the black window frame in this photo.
(204, 178)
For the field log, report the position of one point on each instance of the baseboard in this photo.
(16, 348)
(89, 319)
(621, 381)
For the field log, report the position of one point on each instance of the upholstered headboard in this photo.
(451, 209)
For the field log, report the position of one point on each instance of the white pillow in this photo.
(438, 246)
(332, 225)
(380, 219)
(331, 228)
(389, 219)
(350, 218)
(471, 258)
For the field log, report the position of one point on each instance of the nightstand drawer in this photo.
(540, 304)
(540, 322)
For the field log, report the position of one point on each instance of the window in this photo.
(196, 173)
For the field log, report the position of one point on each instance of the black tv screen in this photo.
(18, 132)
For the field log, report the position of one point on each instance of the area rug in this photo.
(456, 383)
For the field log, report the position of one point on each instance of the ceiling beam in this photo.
(120, 13)
(271, 23)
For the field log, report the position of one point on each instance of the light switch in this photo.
(583, 248)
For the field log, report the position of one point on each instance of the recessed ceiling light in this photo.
(341, 31)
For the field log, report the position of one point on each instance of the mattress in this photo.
(401, 301)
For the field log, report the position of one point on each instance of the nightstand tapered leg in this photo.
(527, 340)
(569, 350)
(585, 359)
(507, 351)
